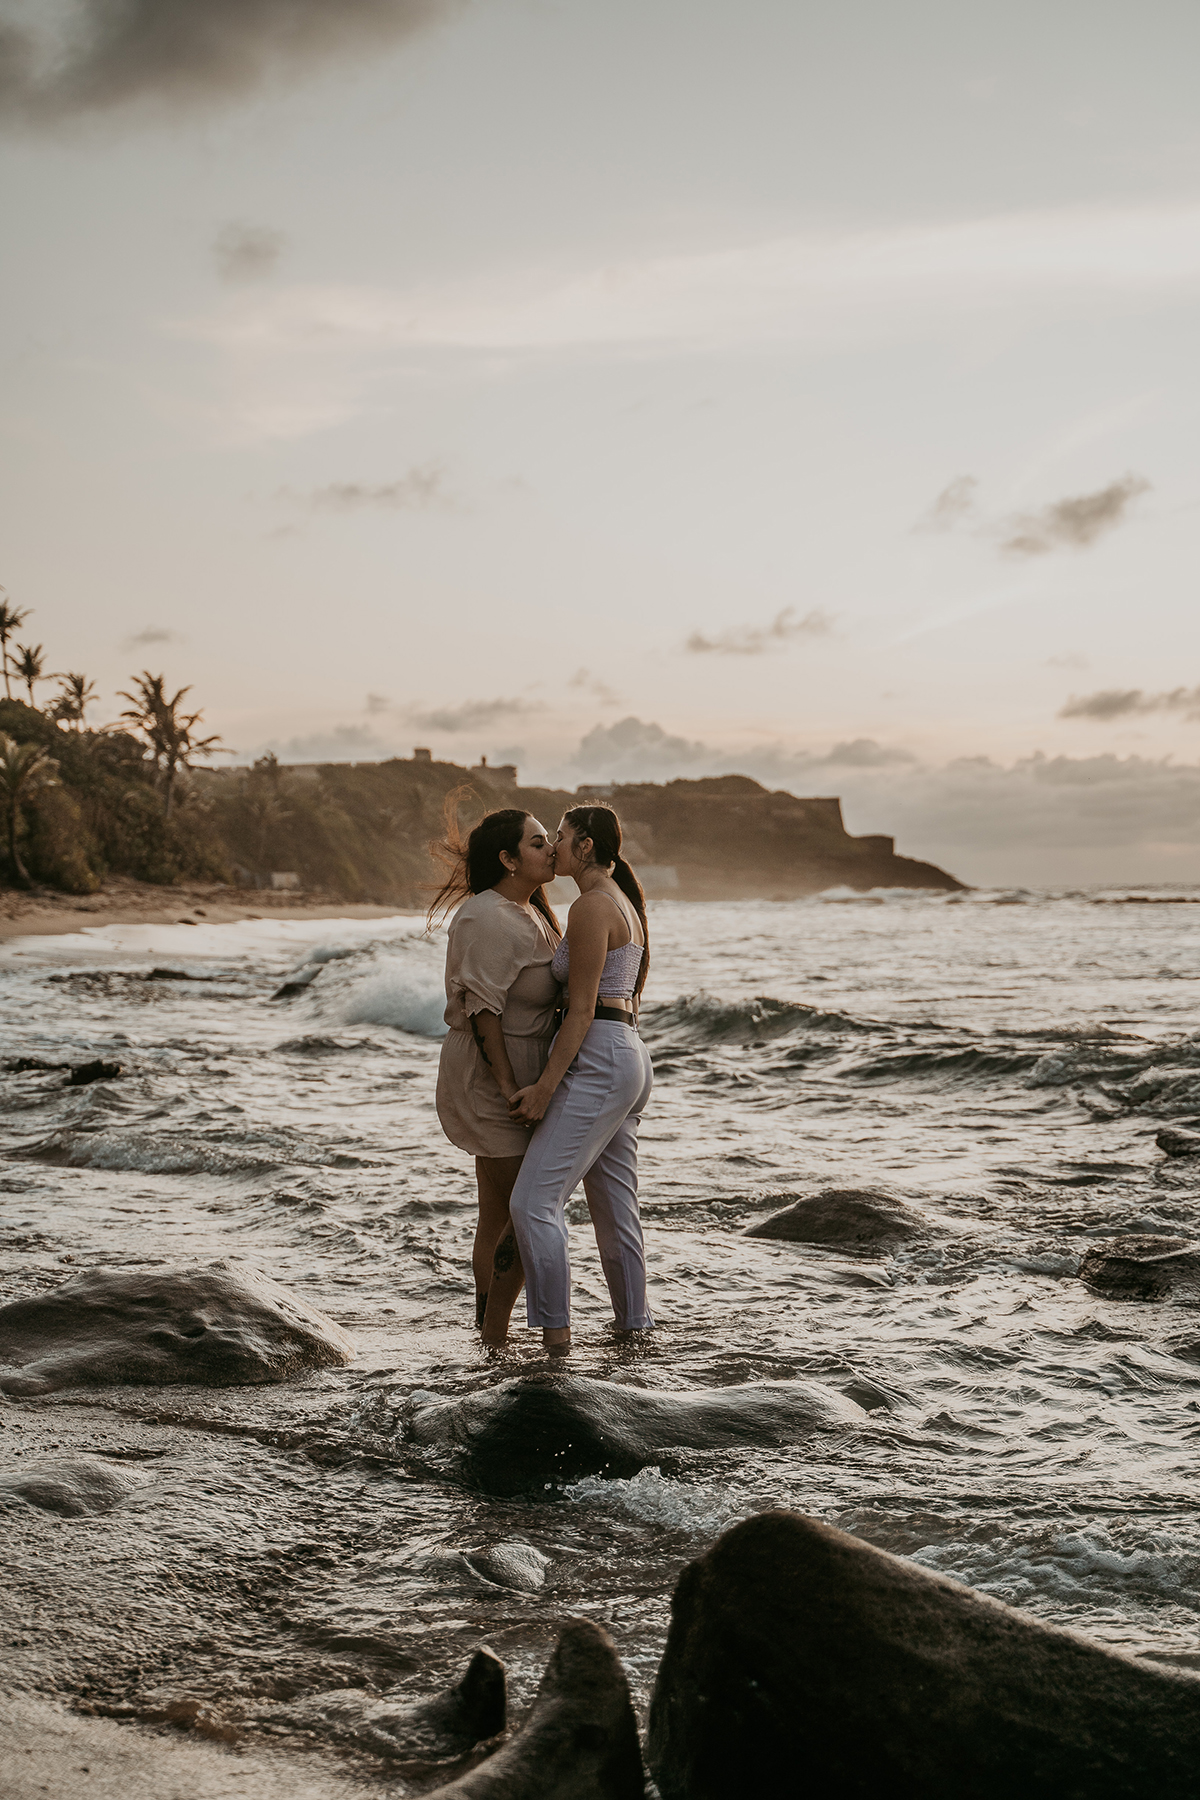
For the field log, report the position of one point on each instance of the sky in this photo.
(802, 388)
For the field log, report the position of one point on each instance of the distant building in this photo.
(422, 755)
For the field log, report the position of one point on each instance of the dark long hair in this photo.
(601, 824)
(472, 864)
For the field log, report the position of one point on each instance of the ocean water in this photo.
(1003, 1060)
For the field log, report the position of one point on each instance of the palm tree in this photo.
(73, 701)
(23, 767)
(11, 619)
(29, 665)
(167, 731)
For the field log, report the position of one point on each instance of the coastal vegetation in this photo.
(139, 798)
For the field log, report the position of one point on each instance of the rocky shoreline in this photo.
(799, 1658)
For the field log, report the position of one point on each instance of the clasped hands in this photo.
(528, 1104)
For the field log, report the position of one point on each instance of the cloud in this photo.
(1074, 523)
(118, 53)
(153, 634)
(753, 640)
(420, 488)
(471, 715)
(863, 753)
(951, 506)
(345, 743)
(378, 703)
(637, 750)
(814, 289)
(591, 684)
(247, 252)
(1071, 659)
(1123, 703)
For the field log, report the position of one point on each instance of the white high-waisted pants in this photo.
(589, 1133)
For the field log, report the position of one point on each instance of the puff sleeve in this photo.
(487, 951)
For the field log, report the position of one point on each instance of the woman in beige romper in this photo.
(502, 1009)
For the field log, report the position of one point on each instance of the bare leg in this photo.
(495, 1258)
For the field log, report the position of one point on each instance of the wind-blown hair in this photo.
(472, 864)
(601, 824)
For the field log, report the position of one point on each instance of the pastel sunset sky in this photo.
(807, 388)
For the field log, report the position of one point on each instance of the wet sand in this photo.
(121, 902)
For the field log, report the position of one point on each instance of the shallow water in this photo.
(1003, 1060)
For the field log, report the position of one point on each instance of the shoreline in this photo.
(137, 903)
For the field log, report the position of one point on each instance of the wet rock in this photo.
(853, 1217)
(1176, 1140)
(511, 1565)
(579, 1741)
(71, 1486)
(1147, 1267)
(217, 1324)
(85, 1073)
(447, 1726)
(800, 1659)
(523, 1436)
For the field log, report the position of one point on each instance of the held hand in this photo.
(529, 1104)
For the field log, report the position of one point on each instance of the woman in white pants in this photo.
(589, 1099)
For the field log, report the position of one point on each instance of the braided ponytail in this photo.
(601, 824)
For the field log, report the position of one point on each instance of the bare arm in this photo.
(588, 926)
(491, 1040)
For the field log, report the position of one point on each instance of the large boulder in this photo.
(801, 1661)
(849, 1218)
(1146, 1267)
(580, 1739)
(523, 1436)
(218, 1324)
(71, 1486)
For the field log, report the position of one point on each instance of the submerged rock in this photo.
(579, 1741)
(218, 1324)
(800, 1659)
(853, 1217)
(1147, 1267)
(1177, 1140)
(524, 1435)
(511, 1565)
(71, 1486)
(447, 1726)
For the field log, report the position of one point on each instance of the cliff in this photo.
(362, 830)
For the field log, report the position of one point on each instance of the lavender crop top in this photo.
(618, 975)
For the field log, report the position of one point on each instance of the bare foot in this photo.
(556, 1340)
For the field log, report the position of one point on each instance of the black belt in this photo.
(616, 1013)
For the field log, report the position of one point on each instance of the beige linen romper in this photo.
(497, 961)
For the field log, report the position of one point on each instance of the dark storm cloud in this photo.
(1074, 523)
(186, 52)
(470, 715)
(754, 640)
(418, 489)
(247, 252)
(951, 506)
(1125, 703)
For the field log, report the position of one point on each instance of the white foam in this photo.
(656, 1499)
(398, 993)
(241, 938)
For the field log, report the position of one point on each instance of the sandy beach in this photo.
(123, 902)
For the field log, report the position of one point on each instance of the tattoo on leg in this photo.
(506, 1254)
